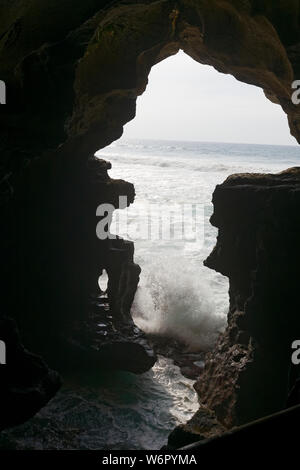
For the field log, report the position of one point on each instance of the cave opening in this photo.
(103, 68)
(228, 128)
(193, 128)
(145, 164)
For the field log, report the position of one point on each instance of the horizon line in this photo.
(206, 141)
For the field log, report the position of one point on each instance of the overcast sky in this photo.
(185, 100)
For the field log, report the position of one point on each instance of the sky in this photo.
(185, 100)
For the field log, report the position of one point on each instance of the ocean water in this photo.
(178, 297)
(112, 411)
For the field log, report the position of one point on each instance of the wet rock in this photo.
(246, 376)
(102, 343)
(202, 425)
(191, 364)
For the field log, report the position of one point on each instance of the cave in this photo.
(71, 85)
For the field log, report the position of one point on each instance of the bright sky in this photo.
(185, 100)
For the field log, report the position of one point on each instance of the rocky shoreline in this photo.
(191, 364)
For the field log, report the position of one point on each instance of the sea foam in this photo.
(175, 300)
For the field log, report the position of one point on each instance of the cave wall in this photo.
(73, 71)
(249, 373)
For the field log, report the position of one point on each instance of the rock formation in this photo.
(27, 383)
(73, 71)
(247, 375)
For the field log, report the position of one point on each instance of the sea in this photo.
(178, 297)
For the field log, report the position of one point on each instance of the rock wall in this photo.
(73, 71)
(247, 375)
(27, 383)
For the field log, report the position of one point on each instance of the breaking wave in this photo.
(176, 301)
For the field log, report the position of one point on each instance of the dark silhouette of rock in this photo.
(246, 376)
(27, 383)
(203, 425)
